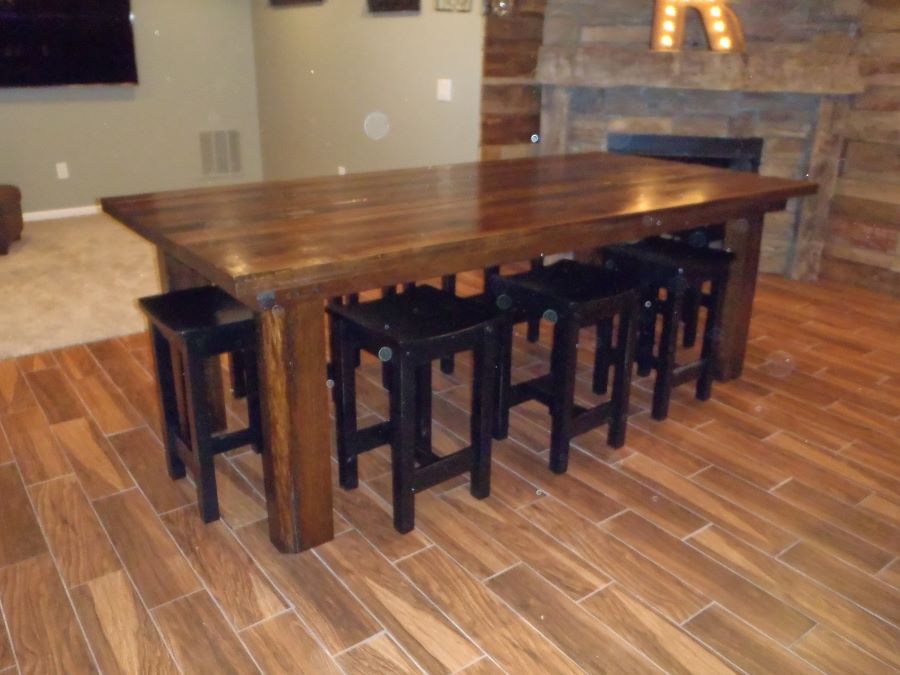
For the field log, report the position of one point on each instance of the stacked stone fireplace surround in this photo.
(809, 66)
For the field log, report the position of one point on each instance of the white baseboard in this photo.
(53, 214)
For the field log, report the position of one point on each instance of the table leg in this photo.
(744, 237)
(296, 425)
(175, 276)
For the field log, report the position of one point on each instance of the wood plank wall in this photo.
(511, 97)
(863, 244)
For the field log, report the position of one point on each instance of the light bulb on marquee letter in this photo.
(723, 28)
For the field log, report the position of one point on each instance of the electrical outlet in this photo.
(62, 170)
(444, 89)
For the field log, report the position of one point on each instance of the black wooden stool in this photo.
(680, 271)
(571, 295)
(188, 327)
(409, 331)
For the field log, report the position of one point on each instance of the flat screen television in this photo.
(59, 42)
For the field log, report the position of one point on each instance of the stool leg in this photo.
(668, 345)
(534, 325)
(403, 442)
(254, 414)
(238, 376)
(603, 354)
(712, 333)
(647, 331)
(448, 284)
(342, 355)
(690, 315)
(424, 451)
(563, 361)
(201, 433)
(168, 402)
(504, 381)
(621, 393)
(483, 401)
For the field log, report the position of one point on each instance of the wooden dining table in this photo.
(284, 247)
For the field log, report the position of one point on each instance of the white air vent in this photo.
(220, 152)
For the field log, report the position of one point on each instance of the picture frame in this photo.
(394, 5)
(288, 3)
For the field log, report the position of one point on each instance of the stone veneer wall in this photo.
(863, 242)
(785, 122)
(600, 77)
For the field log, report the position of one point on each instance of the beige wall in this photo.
(321, 69)
(195, 64)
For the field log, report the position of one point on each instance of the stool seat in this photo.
(682, 271)
(566, 286)
(188, 328)
(669, 257)
(196, 313)
(408, 331)
(419, 313)
(571, 295)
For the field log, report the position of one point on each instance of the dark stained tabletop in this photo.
(338, 234)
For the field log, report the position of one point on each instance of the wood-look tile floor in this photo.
(758, 532)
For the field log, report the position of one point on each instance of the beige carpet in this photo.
(71, 281)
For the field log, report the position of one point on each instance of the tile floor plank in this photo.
(473, 548)
(424, 632)
(864, 589)
(816, 601)
(239, 503)
(584, 639)
(121, 633)
(144, 457)
(76, 362)
(709, 505)
(714, 452)
(95, 463)
(663, 642)
(746, 647)
(45, 634)
(664, 452)
(379, 656)
(201, 639)
(632, 494)
(55, 395)
(363, 509)
(834, 655)
(7, 656)
(35, 448)
(112, 413)
(281, 646)
(854, 472)
(15, 394)
(514, 644)
(842, 544)
(718, 582)
(318, 596)
(587, 501)
(77, 541)
(891, 574)
(241, 590)
(874, 530)
(568, 572)
(159, 570)
(885, 509)
(657, 587)
(20, 535)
